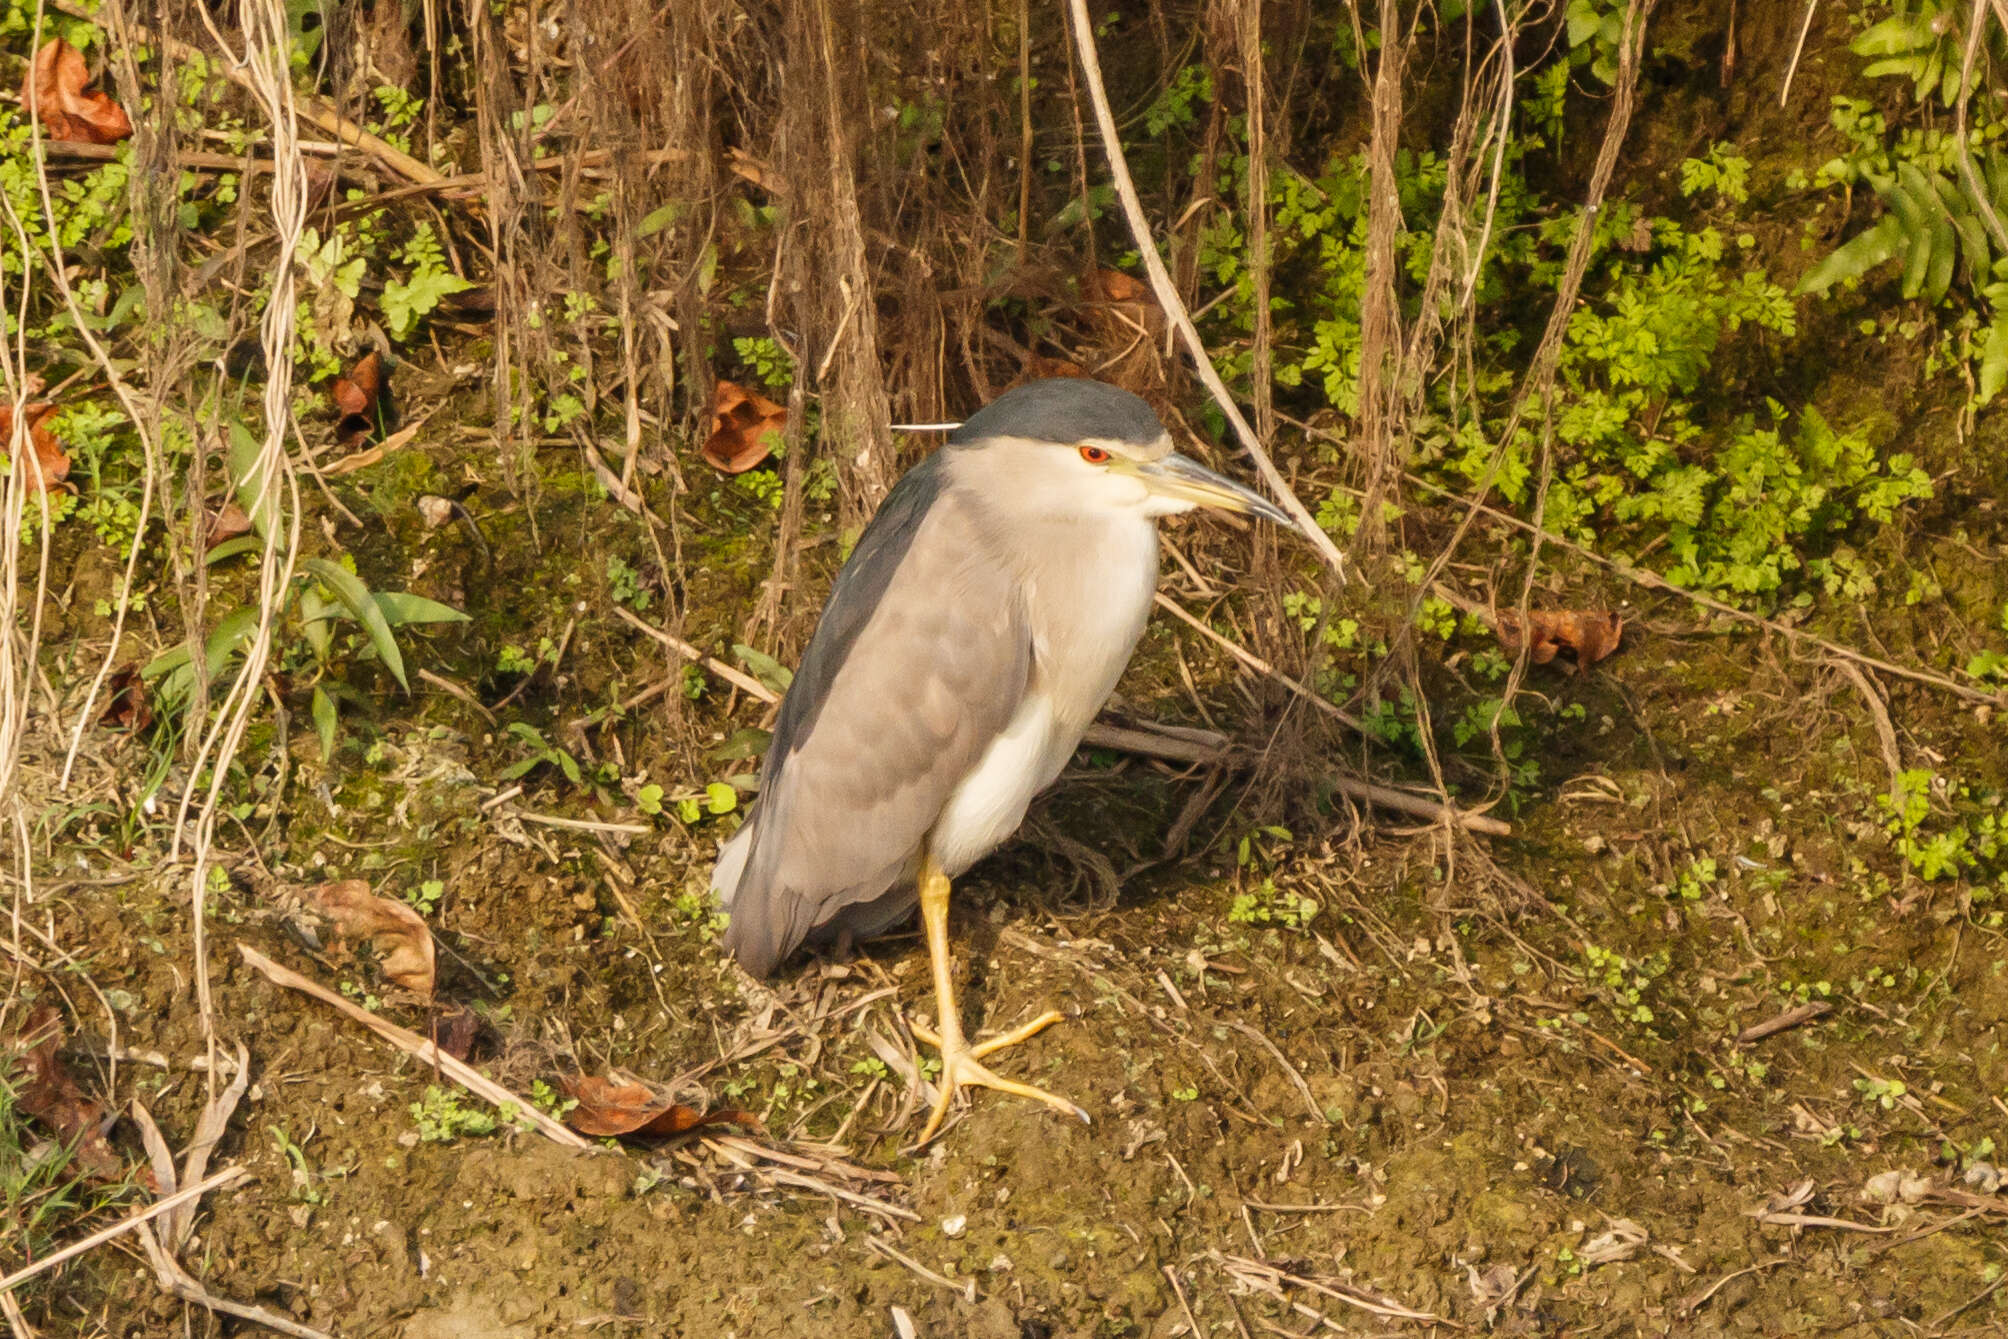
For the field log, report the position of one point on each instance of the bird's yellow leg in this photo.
(960, 1062)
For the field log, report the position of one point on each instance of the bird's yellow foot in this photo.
(961, 1066)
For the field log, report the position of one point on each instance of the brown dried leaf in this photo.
(1039, 366)
(50, 1095)
(56, 87)
(52, 463)
(454, 1030)
(127, 706)
(469, 304)
(1587, 634)
(745, 428)
(363, 397)
(609, 1107)
(226, 523)
(1103, 285)
(392, 928)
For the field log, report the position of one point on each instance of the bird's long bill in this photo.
(1184, 480)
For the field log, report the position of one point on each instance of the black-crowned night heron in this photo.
(977, 629)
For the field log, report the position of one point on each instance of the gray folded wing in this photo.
(919, 662)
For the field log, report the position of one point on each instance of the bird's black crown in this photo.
(1063, 409)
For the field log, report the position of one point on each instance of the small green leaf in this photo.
(350, 590)
(405, 304)
(175, 673)
(251, 485)
(1911, 206)
(743, 743)
(325, 721)
(649, 799)
(658, 219)
(720, 798)
(522, 768)
(315, 612)
(402, 607)
(1901, 35)
(230, 548)
(1994, 360)
(764, 667)
(1855, 257)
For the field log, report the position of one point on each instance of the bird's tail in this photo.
(725, 875)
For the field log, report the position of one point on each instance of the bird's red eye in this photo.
(1094, 455)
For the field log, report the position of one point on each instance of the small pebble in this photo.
(955, 1226)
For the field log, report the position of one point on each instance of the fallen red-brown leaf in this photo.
(392, 928)
(227, 522)
(51, 462)
(1587, 634)
(363, 397)
(454, 1029)
(127, 706)
(1104, 285)
(609, 1107)
(47, 1093)
(57, 87)
(745, 428)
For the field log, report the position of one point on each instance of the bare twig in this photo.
(1785, 1022)
(966, 1289)
(427, 1053)
(1403, 802)
(1261, 666)
(11, 1310)
(744, 1153)
(1296, 1076)
(1150, 743)
(744, 682)
(1178, 1288)
(1885, 729)
(1697, 1300)
(1798, 50)
(183, 1285)
(1786, 1218)
(1938, 1321)
(1167, 293)
(228, 1176)
(1260, 1276)
(209, 1131)
(581, 824)
(1154, 743)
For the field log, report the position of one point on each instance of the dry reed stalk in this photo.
(1167, 294)
(269, 489)
(1381, 366)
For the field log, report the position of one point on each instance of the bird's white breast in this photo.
(1087, 595)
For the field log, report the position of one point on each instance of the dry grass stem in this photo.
(880, 1246)
(425, 1050)
(738, 679)
(182, 1284)
(1785, 1022)
(1260, 1276)
(227, 1177)
(1167, 293)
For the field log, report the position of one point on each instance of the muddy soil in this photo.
(1491, 1081)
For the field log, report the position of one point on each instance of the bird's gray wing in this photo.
(919, 662)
